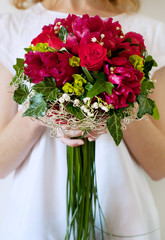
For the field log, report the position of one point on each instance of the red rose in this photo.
(92, 56)
(48, 36)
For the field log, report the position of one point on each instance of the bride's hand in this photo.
(70, 134)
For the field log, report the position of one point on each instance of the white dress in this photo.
(37, 203)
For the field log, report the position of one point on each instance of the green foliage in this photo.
(155, 112)
(21, 94)
(19, 68)
(63, 33)
(88, 75)
(101, 85)
(75, 111)
(37, 107)
(88, 86)
(148, 64)
(19, 64)
(128, 40)
(146, 86)
(114, 127)
(146, 105)
(47, 88)
(28, 49)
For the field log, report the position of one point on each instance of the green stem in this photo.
(81, 191)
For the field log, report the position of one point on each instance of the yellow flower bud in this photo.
(74, 61)
(68, 88)
(79, 77)
(137, 62)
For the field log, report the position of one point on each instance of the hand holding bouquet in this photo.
(85, 73)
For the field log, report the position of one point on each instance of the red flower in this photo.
(136, 39)
(92, 56)
(71, 44)
(126, 80)
(136, 47)
(48, 36)
(48, 64)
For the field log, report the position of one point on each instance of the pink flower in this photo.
(48, 64)
(71, 44)
(67, 22)
(81, 27)
(126, 80)
(112, 31)
(118, 61)
(96, 24)
(92, 56)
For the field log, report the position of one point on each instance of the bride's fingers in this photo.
(69, 133)
(72, 142)
(72, 134)
(93, 135)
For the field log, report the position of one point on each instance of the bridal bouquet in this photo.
(85, 73)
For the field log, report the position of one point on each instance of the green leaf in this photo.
(128, 40)
(19, 64)
(19, 68)
(114, 127)
(47, 88)
(15, 79)
(149, 63)
(63, 33)
(88, 86)
(37, 107)
(146, 86)
(75, 111)
(21, 94)
(155, 112)
(146, 105)
(88, 75)
(101, 85)
(28, 49)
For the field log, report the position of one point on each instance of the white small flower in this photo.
(56, 28)
(93, 39)
(102, 44)
(101, 105)
(95, 105)
(111, 69)
(83, 107)
(117, 28)
(102, 35)
(86, 99)
(90, 114)
(66, 97)
(105, 108)
(121, 36)
(61, 100)
(76, 102)
(110, 105)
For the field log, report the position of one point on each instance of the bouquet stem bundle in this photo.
(82, 197)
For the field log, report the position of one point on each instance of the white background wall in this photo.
(152, 8)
